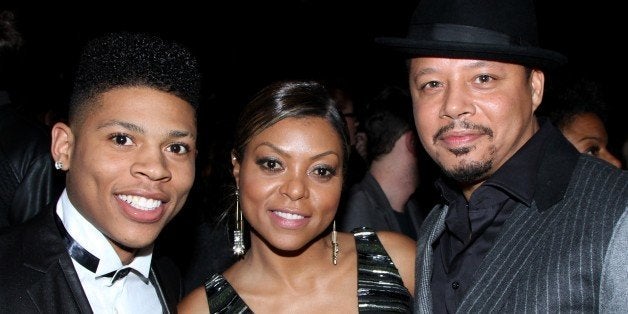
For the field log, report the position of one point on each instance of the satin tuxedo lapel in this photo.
(43, 278)
(45, 271)
(166, 279)
(59, 291)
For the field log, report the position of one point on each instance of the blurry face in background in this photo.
(351, 120)
(588, 134)
(344, 103)
(290, 180)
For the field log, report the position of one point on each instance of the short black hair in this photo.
(389, 117)
(126, 59)
(583, 95)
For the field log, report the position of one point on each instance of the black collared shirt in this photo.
(405, 223)
(472, 226)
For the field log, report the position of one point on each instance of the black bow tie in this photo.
(118, 274)
(84, 257)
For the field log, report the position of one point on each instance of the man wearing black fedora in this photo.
(526, 223)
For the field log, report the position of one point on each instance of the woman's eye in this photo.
(325, 172)
(593, 150)
(179, 149)
(122, 139)
(269, 164)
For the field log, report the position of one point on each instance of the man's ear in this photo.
(236, 168)
(537, 83)
(62, 145)
(411, 142)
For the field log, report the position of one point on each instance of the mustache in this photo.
(466, 125)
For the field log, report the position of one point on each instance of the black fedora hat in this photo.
(499, 30)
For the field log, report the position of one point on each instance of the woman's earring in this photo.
(58, 165)
(334, 245)
(238, 241)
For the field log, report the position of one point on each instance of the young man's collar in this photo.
(94, 242)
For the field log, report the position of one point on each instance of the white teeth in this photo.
(288, 215)
(140, 202)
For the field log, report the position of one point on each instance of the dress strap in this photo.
(222, 298)
(380, 287)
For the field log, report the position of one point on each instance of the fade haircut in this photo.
(127, 59)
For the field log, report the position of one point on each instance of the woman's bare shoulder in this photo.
(402, 251)
(194, 302)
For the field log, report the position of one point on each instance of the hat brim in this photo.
(528, 56)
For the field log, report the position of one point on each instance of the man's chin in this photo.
(469, 172)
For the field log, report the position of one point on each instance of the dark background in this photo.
(243, 45)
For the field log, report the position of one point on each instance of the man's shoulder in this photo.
(33, 237)
(594, 174)
(597, 190)
(21, 135)
(359, 198)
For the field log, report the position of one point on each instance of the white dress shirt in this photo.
(133, 293)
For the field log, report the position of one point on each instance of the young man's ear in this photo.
(62, 144)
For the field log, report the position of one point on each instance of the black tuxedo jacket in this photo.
(38, 276)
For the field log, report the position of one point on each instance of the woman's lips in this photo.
(288, 220)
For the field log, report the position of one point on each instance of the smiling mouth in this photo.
(139, 202)
(466, 129)
(289, 216)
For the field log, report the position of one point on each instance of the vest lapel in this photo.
(424, 261)
(520, 244)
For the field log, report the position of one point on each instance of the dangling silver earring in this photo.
(58, 165)
(238, 241)
(334, 245)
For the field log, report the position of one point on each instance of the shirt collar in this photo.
(92, 240)
(539, 171)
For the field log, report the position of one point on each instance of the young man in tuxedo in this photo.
(128, 151)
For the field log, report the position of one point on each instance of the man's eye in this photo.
(179, 148)
(484, 78)
(121, 139)
(431, 84)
